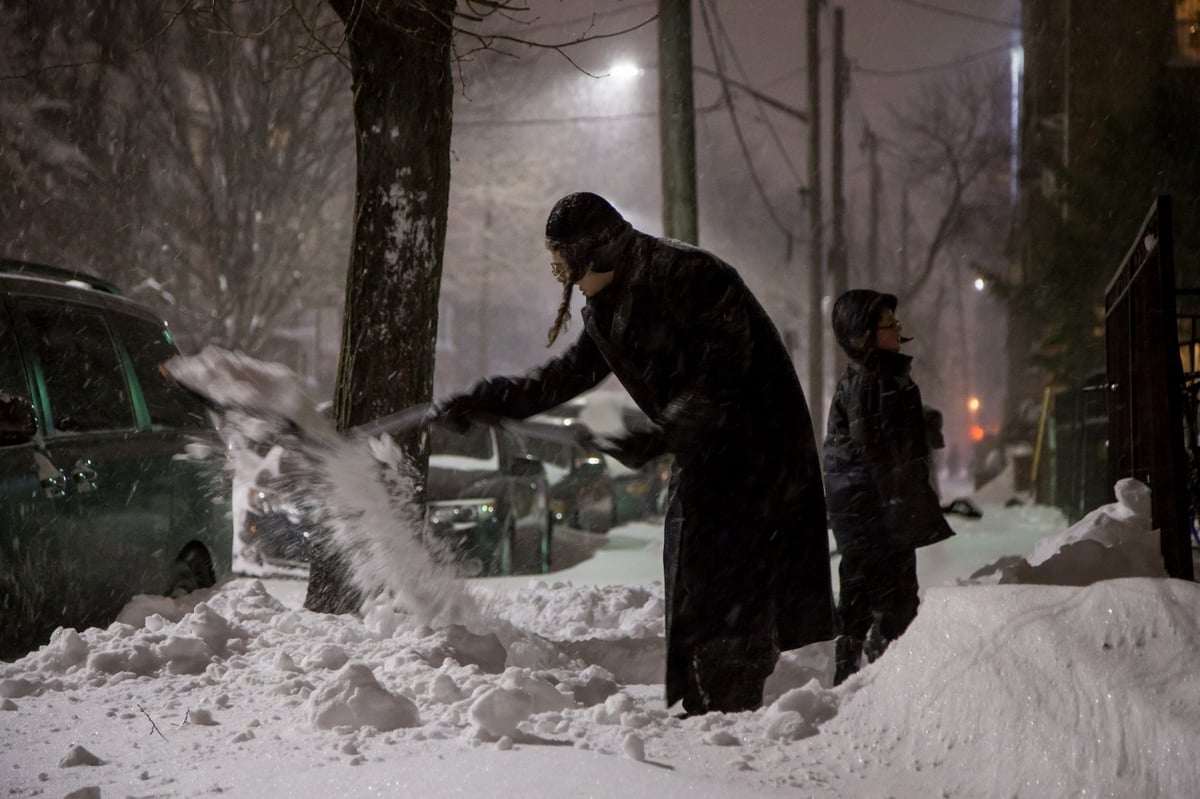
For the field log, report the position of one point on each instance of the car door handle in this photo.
(83, 477)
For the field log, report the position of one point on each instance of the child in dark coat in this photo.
(877, 460)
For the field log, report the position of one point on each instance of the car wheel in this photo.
(193, 569)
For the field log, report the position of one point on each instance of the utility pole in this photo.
(677, 120)
(870, 143)
(838, 262)
(816, 272)
(483, 356)
(485, 290)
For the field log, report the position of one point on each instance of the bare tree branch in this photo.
(954, 138)
(153, 727)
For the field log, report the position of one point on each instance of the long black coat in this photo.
(877, 456)
(746, 554)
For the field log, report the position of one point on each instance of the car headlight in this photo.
(260, 501)
(459, 514)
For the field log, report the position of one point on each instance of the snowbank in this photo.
(995, 690)
(1114, 540)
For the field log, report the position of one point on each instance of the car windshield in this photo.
(554, 455)
(476, 443)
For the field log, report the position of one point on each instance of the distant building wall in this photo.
(1110, 119)
(1111, 91)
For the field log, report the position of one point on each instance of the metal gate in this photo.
(1078, 481)
(1145, 414)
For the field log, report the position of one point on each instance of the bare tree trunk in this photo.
(400, 58)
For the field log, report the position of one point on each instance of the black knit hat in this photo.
(579, 226)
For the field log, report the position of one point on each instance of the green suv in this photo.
(98, 500)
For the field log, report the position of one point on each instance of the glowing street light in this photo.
(980, 284)
(625, 70)
(976, 430)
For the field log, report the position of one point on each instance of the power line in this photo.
(951, 12)
(737, 128)
(770, 127)
(958, 62)
(763, 99)
(791, 73)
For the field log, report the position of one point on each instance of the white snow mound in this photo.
(354, 698)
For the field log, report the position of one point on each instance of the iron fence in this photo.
(1146, 438)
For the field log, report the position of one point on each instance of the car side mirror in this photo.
(18, 421)
(522, 466)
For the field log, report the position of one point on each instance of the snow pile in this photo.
(354, 698)
(1114, 540)
(619, 628)
(248, 668)
(1082, 690)
(567, 611)
(1125, 523)
(1046, 691)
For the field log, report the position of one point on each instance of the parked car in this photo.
(96, 504)
(590, 490)
(487, 506)
(272, 533)
(641, 492)
(488, 500)
(583, 494)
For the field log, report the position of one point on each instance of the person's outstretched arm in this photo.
(576, 370)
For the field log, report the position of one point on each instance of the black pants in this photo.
(724, 644)
(877, 598)
(724, 676)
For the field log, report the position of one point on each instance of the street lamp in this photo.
(976, 429)
(625, 70)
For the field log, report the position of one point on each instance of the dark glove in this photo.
(634, 449)
(455, 412)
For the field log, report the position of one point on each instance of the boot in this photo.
(875, 644)
(848, 656)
